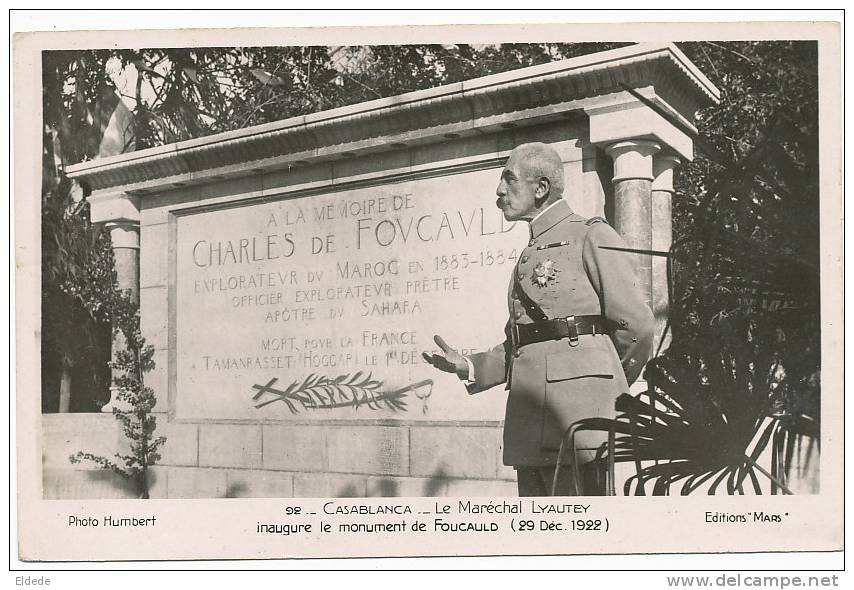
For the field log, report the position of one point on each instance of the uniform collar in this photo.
(549, 217)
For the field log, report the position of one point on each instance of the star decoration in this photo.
(544, 272)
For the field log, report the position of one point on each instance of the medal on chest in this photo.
(545, 272)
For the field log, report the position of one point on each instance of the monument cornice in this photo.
(527, 96)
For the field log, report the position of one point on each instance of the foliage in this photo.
(386, 70)
(77, 263)
(706, 416)
(77, 268)
(747, 252)
(134, 402)
(756, 184)
(743, 366)
(185, 93)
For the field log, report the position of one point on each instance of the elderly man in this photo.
(579, 331)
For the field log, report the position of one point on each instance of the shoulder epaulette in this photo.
(593, 220)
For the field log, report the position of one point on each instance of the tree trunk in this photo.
(65, 390)
(142, 484)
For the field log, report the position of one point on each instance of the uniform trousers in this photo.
(537, 481)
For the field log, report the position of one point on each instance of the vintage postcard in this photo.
(428, 291)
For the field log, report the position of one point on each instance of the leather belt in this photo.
(569, 327)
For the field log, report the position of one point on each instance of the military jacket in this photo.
(571, 266)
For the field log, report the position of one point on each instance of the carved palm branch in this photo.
(344, 391)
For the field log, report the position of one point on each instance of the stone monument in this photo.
(289, 274)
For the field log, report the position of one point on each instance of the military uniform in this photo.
(579, 333)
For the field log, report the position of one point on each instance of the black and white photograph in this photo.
(459, 280)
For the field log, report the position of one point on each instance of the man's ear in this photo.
(541, 193)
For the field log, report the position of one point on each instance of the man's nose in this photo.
(500, 191)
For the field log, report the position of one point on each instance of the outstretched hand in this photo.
(449, 360)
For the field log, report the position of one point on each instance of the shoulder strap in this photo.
(593, 220)
(590, 223)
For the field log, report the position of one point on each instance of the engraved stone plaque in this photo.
(318, 307)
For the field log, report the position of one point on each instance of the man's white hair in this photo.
(542, 160)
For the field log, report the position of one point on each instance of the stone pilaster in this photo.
(120, 214)
(633, 176)
(662, 237)
(124, 236)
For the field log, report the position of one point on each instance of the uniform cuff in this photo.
(470, 376)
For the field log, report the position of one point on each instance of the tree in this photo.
(77, 266)
(743, 368)
(77, 270)
(135, 401)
